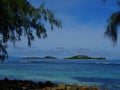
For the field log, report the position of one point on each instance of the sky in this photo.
(83, 25)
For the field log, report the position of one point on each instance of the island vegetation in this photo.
(78, 57)
(49, 57)
(46, 57)
(85, 57)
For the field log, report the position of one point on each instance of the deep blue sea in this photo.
(103, 73)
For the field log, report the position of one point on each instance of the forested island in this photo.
(46, 57)
(78, 57)
(85, 57)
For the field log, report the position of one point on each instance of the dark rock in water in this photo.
(5, 79)
(48, 84)
(7, 84)
(40, 85)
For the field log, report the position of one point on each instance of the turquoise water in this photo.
(104, 73)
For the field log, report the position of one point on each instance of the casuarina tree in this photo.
(19, 18)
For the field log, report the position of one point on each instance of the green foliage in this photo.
(84, 57)
(113, 24)
(117, 1)
(3, 52)
(19, 18)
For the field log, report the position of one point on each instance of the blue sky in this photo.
(84, 23)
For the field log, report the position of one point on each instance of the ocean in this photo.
(103, 73)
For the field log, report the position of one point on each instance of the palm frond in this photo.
(112, 27)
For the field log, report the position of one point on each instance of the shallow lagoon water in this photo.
(103, 73)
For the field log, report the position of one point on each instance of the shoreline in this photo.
(6, 84)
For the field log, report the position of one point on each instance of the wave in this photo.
(64, 62)
(76, 62)
(110, 84)
(99, 80)
(108, 63)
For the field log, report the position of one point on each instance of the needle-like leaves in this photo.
(19, 17)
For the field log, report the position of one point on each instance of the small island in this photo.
(46, 57)
(49, 57)
(31, 57)
(77, 57)
(85, 57)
